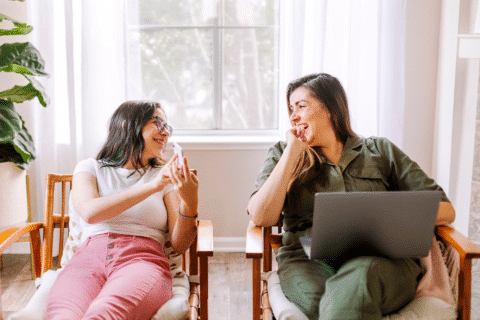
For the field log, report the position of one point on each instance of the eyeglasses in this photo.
(161, 125)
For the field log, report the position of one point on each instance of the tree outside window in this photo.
(212, 64)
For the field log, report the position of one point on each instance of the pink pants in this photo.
(112, 276)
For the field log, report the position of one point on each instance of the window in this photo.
(212, 64)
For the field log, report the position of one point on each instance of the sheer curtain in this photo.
(82, 42)
(362, 43)
(84, 55)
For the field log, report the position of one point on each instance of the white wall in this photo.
(456, 107)
(227, 177)
(422, 43)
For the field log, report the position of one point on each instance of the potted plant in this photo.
(16, 144)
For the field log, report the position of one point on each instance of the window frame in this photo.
(234, 136)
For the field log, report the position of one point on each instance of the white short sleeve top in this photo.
(147, 218)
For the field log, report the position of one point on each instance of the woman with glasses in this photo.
(125, 201)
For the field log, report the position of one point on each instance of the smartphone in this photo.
(178, 150)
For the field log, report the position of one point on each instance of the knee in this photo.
(377, 272)
(64, 311)
(367, 266)
(361, 272)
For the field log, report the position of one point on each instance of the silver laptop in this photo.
(393, 224)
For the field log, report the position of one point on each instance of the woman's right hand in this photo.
(296, 137)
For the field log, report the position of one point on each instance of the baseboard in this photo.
(229, 244)
(220, 244)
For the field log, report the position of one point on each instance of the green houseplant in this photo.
(16, 144)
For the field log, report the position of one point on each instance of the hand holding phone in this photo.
(178, 151)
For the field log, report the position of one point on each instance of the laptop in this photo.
(392, 224)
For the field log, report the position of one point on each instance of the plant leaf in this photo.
(19, 94)
(20, 151)
(41, 95)
(23, 144)
(10, 122)
(16, 144)
(20, 28)
(21, 58)
(9, 154)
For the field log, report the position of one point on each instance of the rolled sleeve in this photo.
(402, 172)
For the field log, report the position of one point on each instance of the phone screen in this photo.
(178, 150)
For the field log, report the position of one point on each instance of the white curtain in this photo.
(84, 55)
(362, 43)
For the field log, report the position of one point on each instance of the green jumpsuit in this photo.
(363, 287)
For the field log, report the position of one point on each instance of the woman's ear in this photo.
(123, 124)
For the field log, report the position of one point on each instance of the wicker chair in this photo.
(261, 243)
(197, 255)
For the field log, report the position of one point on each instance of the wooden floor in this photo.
(230, 285)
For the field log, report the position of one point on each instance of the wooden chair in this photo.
(261, 242)
(197, 255)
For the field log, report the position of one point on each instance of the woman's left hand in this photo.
(185, 184)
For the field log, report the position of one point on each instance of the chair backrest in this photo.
(56, 216)
(54, 220)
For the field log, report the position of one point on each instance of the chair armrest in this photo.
(466, 248)
(205, 238)
(13, 233)
(254, 245)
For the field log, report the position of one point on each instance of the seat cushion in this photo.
(422, 308)
(178, 306)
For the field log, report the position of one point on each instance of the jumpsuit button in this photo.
(110, 246)
(109, 257)
(111, 237)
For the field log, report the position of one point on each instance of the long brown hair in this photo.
(327, 89)
(125, 140)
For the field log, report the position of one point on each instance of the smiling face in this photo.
(155, 140)
(311, 115)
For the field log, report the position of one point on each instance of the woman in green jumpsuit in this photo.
(323, 154)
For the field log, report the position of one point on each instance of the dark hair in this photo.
(125, 139)
(327, 89)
